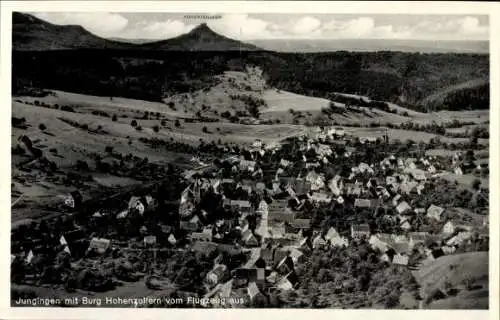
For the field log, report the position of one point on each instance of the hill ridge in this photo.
(30, 33)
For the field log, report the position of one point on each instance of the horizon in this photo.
(290, 27)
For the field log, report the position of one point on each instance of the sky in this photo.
(279, 26)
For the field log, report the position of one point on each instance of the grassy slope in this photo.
(454, 269)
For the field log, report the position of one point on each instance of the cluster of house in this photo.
(273, 229)
(280, 239)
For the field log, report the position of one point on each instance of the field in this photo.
(468, 273)
(97, 123)
(282, 101)
(406, 135)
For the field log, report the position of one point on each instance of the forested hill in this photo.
(72, 59)
(406, 78)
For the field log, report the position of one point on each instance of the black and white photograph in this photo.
(226, 160)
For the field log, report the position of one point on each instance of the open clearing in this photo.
(283, 101)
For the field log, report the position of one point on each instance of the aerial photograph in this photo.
(223, 160)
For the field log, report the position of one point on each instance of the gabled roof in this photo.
(362, 203)
(301, 223)
(332, 233)
(435, 210)
(253, 290)
(401, 247)
(361, 228)
(418, 236)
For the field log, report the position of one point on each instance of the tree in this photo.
(114, 118)
(205, 130)
(42, 127)
(156, 129)
(163, 123)
(109, 149)
(469, 156)
(133, 123)
(177, 123)
(476, 184)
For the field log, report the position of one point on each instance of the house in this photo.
(149, 240)
(286, 215)
(291, 192)
(249, 238)
(247, 189)
(204, 235)
(74, 242)
(405, 225)
(247, 165)
(448, 228)
(362, 203)
(257, 143)
(296, 255)
(285, 265)
(420, 188)
(193, 224)
(396, 199)
(320, 197)
(459, 238)
(263, 208)
(359, 231)
(228, 181)
(267, 256)
(73, 200)
(135, 203)
(401, 247)
(316, 180)
(285, 163)
(390, 180)
(334, 238)
(260, 186)
(279, 254)
(99, 245)
(217, 274)
(435, 212)
(312, 165)
(318, 242)
(273, 277)
(171, 239)
(385, 257)
(417, 174)
(301, 186)
(288, 282)
(254, 293)
(277, 231)
(400, 259)
(448, 249)
(334, 188)
(417, 238)
(248, 275)
(243, 206)
(29, 257)
(403, 208)
(186, 206)
(303, 224)
(378, 242)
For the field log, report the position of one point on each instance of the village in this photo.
(242, 231)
